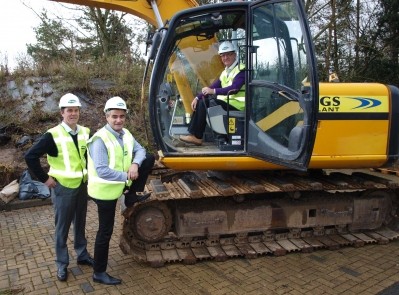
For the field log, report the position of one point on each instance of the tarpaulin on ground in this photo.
(31, 189)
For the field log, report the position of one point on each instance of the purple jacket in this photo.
(238, 81)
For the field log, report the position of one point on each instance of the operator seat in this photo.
(229, 125)
(218, 121)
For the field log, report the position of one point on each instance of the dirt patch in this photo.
(12, 164)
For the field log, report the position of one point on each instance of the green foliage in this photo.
(97, 35)
(122, 70)
(109, 32)
(75, 75)
(54, 41)
(359, 39)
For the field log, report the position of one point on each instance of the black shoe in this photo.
(143, 197)
(106, 279)
(88, 261)
(131, 199)
(62, 274)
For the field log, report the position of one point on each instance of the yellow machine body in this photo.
(349, 134)
(227, 197)
(139, 8)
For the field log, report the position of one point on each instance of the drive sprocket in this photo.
(150, 222)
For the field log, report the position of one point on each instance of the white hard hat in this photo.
(226, 46)
(115, 102)
(69, 100)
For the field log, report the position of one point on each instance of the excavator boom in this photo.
(140, 8)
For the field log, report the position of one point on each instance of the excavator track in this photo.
(195, 215)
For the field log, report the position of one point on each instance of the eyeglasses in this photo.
(227, 54)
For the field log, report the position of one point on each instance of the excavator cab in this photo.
(274, 49)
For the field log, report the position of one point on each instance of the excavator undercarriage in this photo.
(196, 215)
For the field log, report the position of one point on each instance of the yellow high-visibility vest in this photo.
(69, 167)
(119, 158)
(236, 100)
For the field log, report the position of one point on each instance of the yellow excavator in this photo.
(274, 177)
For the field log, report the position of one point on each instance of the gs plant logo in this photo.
(352, 104)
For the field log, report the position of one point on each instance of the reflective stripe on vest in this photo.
(69, 167)
(119, 159)
(236, 100)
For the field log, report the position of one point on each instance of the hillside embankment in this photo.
(29, 107)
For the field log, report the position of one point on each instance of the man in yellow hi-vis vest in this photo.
(232, 78)
(116, 163)
(65, 146)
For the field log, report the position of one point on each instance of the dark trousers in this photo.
(106, 219)
(198, 120)
(106, 216)
(70, 207)
(139, 183)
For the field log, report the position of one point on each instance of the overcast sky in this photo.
(17, 20)
(16, 25)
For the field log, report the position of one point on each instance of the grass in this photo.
(123, 72)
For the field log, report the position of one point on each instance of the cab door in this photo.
(282, 86)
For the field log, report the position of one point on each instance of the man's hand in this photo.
(133, 172)
(50, 182)
(194, 104)
(207, 91)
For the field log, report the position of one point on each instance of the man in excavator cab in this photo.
(231, 80)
